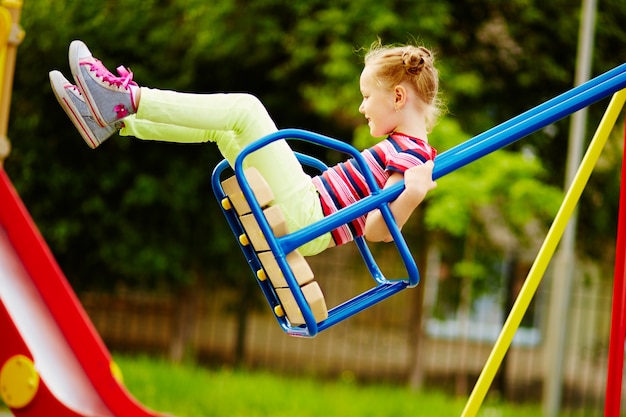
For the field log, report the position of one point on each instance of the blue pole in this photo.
(530, 121)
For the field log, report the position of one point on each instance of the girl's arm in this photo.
(417, 182)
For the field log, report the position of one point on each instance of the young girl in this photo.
(400, 102)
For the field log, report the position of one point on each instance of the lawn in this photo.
(191, 391)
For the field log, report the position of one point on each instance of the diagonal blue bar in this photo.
(531, 121)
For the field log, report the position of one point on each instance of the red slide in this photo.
(52, 360)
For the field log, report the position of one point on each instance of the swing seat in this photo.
(270, 269)
(282, 272)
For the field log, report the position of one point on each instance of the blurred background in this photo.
(136, 229)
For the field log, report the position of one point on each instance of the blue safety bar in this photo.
(457, 157)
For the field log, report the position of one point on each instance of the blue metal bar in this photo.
(351, 307)
(312, 162)
(359, 303)
(369, 260)
(366, 254)
(530, 121)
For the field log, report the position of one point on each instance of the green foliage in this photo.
(142, 214)
(512, 181)
(470, 270)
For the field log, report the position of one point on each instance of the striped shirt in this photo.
(343, 184)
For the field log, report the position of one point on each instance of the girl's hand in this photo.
(418, 181)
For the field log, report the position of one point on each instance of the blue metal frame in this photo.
(457, 157)
(281, 246)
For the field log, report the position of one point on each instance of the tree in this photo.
(141, 215)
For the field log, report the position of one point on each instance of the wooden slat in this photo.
(313, 295)
(259, 186)
(299, 266)
(275, 218)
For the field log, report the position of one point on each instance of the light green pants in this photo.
(232, 121)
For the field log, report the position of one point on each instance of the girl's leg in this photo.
(147, 130)
(236, 120)
(232, 121)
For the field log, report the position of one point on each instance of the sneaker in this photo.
(110, 97)
(74, 105)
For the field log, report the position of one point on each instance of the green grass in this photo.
(189, 391)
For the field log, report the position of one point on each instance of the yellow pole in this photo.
(12, 35)
(5, 31)
(545, 254)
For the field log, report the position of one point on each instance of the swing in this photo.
(281, 246)
(282, 273)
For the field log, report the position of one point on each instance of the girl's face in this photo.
(377, 105)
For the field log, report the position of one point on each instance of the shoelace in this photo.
(123, 80)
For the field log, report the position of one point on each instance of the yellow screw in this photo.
(261, 275)
(278, 310)
(226, 204)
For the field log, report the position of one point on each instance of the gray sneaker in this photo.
(109, 97)
(74, 105)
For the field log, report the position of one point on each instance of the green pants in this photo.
(232, 121)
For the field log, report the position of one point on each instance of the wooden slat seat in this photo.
(270, 268)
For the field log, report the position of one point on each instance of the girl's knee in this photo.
(254, 104)
(257, 117)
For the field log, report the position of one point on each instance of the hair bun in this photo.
(414, 59)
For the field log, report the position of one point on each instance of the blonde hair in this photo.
(413, 65)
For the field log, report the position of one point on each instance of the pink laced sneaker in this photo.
(77, 110)
(109, 97)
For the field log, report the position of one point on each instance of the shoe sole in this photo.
(58, 83)
(81, 83)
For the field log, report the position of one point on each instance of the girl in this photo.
(399, 86)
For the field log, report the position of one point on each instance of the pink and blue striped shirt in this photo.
(343, 184)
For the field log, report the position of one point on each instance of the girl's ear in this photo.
(400, 96)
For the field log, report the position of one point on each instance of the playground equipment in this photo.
(614, 380)
(53, 362)
(11, 35)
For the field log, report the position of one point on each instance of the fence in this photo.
(383, 342)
